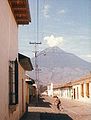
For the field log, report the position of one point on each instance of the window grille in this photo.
(13, 82)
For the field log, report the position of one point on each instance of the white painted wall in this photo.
(56, 92)
(50, 89)
(9, 50)
(63, 92)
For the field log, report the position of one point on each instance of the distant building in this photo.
(60, 90)
(29, 88)
(77, 90)
(66, 91)
(82, 89)
(50, 89)
(12, 14)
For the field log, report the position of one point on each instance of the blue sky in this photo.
(62, 23)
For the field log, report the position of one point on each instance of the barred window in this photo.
(13, 82)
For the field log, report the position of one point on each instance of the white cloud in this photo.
(61, 12)
(53, 41)
(88, 56)
(46, 11)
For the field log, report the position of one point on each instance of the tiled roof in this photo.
(20, 9)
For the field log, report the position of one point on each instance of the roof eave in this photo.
(25, 62)
(20, 11)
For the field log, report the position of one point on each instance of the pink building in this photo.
(12, 14)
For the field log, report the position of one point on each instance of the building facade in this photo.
(23, 66)
(82, 89)
(50, 89)
(10, 17)
(63, 90)
(77, 90)
(29, 89)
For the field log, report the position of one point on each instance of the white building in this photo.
(78, 90)
(60, 90)
(63, 90)
(50, 89)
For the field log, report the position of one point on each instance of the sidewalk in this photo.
(31, 113)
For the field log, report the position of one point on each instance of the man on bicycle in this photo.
(58, 103)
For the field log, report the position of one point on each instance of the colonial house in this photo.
(56, 90)
(60, 90)
(29, 89)
(77, 90)
(50, 89)
(12, 14)
(66, 91)
(82, 89)
(23, 66)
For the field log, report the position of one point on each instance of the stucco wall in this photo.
(56, 92)
(77, 93)
(80, 98)
(50, 89)
(22, 91)
(9, 50)
(90, 89)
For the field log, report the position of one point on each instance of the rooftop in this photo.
(20, 9)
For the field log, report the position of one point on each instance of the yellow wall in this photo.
(22, 91)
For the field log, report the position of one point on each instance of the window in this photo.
(82, 90)
(13, 82)
(87, 90)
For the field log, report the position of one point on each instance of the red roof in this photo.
(20, 9)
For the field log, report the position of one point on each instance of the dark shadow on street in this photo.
(43, 115)
(54, 116)
(41, 103)
(46, 116)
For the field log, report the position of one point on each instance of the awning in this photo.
(30, 81)
(20, 9)
(25, 62)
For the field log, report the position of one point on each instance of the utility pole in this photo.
(35, 51)
(36, 66)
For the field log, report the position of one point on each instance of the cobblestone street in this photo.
(46, 110)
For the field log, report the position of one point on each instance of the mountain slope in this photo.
(60, 66)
